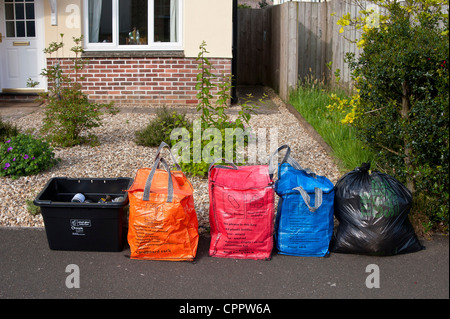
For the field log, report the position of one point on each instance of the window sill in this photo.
(133, 54)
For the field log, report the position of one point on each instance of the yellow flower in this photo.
(360, 43)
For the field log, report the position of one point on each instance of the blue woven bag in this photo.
(304, 222)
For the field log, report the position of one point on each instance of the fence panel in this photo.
(280, 45)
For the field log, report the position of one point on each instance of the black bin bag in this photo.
(372, 210)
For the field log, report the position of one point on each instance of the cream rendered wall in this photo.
(209, 20)
(69, 23)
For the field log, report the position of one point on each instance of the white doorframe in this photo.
(38, 57)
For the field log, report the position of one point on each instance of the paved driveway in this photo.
(29, 269)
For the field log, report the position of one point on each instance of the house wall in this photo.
(156, 77)
(209, 20)
(144, 81)
(69, 23)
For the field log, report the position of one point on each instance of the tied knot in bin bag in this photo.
(304, 224)
(372, 210)
(241, 210)
(163, 223)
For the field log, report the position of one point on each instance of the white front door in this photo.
(21, 45)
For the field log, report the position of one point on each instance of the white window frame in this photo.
(115, 46)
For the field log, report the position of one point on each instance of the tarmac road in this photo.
(29, 269)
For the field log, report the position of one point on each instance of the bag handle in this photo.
(233, 166)
(297, 166)
(148, 184)
(158, 154)
(317, 201)
(286, 158)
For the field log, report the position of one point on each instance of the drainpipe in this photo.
(234, 98)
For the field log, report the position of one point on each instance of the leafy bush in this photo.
(25, 155)
(68, 118)
(69, 115)
(7, 130)
(209, 147)
(159, 129)
(401, 110)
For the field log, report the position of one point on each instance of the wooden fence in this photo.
(280, 45)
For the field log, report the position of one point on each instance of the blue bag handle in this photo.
(298, 167)
(317, 201)
(286, 158)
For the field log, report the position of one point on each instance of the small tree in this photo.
(214, 98)
(68, 113)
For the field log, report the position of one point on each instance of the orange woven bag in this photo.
(163, 223)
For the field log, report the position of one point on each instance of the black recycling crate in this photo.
(89, 225)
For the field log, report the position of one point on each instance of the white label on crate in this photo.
(77, 226)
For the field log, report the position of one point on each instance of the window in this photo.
(132, 24)
(19, 19)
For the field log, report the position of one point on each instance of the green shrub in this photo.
(7, 130)
(159, 129)
(69, 115)
(25, 155)
(69, 118)
(209, 147)
(402, 77)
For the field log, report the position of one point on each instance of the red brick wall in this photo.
(143, 80)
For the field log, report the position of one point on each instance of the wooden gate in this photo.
(253, 50)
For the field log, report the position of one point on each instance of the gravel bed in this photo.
(118, 156)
